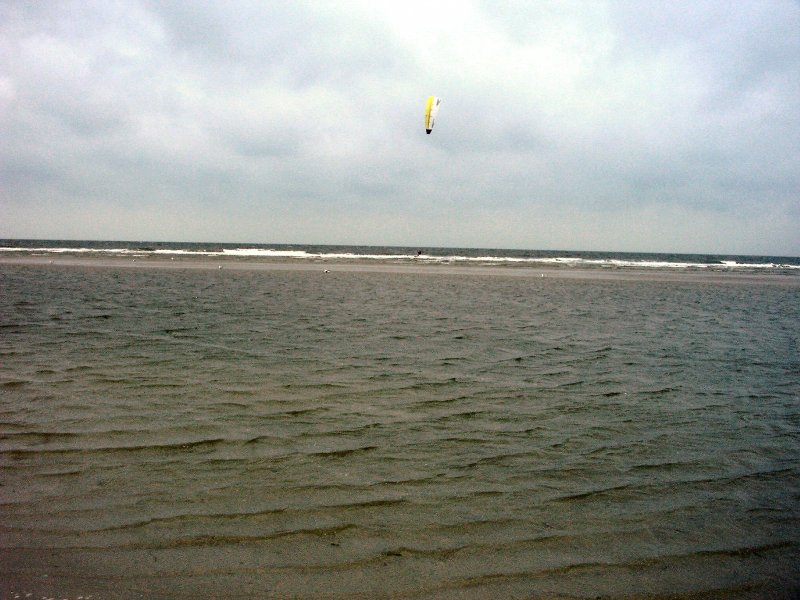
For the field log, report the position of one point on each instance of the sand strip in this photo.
(331, 267)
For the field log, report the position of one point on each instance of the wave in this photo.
(233, 540)
(571, 259)
(343, 452)
(187, 446)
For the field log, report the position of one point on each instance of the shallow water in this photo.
(289, 433)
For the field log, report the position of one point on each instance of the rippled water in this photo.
(174, 433)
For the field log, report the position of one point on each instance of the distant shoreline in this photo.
(332, 266)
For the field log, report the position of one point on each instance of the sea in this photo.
(336, 422)
(784, 265)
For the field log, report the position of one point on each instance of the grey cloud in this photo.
(295, 43)
(273, 118)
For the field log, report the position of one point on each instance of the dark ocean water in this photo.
(187, 433)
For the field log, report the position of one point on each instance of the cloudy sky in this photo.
(570, 124)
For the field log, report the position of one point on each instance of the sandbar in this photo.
(333, 266)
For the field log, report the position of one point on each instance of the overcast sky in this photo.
(571, 124)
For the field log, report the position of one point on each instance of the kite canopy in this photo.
(431, 110)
